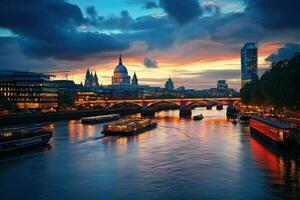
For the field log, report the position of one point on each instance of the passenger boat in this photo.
(198, 117)
(21, 137)
(276, 131)
(100, 119)
(130, 126)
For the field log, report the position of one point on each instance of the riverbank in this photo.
(28, 118)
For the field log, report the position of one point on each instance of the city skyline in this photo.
(196, 47)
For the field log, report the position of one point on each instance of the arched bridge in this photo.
(184, 104)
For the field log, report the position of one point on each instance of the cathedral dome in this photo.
(120, 76)
(120, 68)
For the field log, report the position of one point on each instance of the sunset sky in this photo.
(193, 42)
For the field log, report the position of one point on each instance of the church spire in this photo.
(120, 59)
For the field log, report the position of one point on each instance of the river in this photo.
(180, 159)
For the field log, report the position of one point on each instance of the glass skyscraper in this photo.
(248, 62)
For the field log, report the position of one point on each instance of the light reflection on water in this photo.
(181, 159)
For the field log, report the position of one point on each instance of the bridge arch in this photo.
(125, 103)
(165, 102)
(198, 103)
(90, 105)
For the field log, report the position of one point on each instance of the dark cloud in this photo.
(212, 9)
(114, 22)
(181, 11)
(274, 14)
(92, 12)
(12, 58)
(50, 28)
(285, 52)
(150, 63)
(150, 5)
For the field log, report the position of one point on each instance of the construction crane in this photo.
(59, 72)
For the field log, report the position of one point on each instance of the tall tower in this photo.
(88, 80)
(248, 63)
(135, 80)
(95, 80)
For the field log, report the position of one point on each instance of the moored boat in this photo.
(21, 137)
(198, 117)
(273, 130)
(244, 117)
(130, 126)
(100, 119)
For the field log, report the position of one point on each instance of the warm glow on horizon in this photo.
(182, 70)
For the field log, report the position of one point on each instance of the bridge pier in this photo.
(147, 112)
(220, 107)
(209, 107)
(186, 112)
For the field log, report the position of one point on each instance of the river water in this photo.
(181, 159)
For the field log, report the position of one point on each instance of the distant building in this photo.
(87, 96)
(66, 84)
(29, 90)
(169, 85)
(91, 80)
(248, 63)
(221, 84)
(134, 80)
(120, 76)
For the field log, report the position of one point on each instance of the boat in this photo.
(100, 119)
(20, 137)
(130, 126)
(276, 131)
(198, 117)
(244, 117)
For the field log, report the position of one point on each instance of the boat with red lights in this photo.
(20, 137)
(130, 126)
(276, 131)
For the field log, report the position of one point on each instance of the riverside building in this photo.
(29, 90)
(248, 63)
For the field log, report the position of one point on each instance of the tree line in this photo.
(279, 86)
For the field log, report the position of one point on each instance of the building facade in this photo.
(29, 90)
(221, 84)
(91, 80)
(120, 76)
(169, 85)
(248, 63)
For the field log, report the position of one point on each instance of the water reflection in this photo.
(283, 168)
(180, 159)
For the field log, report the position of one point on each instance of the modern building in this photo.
(87, 96)
(221, 84)
(169, 85)
(29, 90)
(248, 63)
(120, 76)
(90, 79)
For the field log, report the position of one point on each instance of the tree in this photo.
(279, 86)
